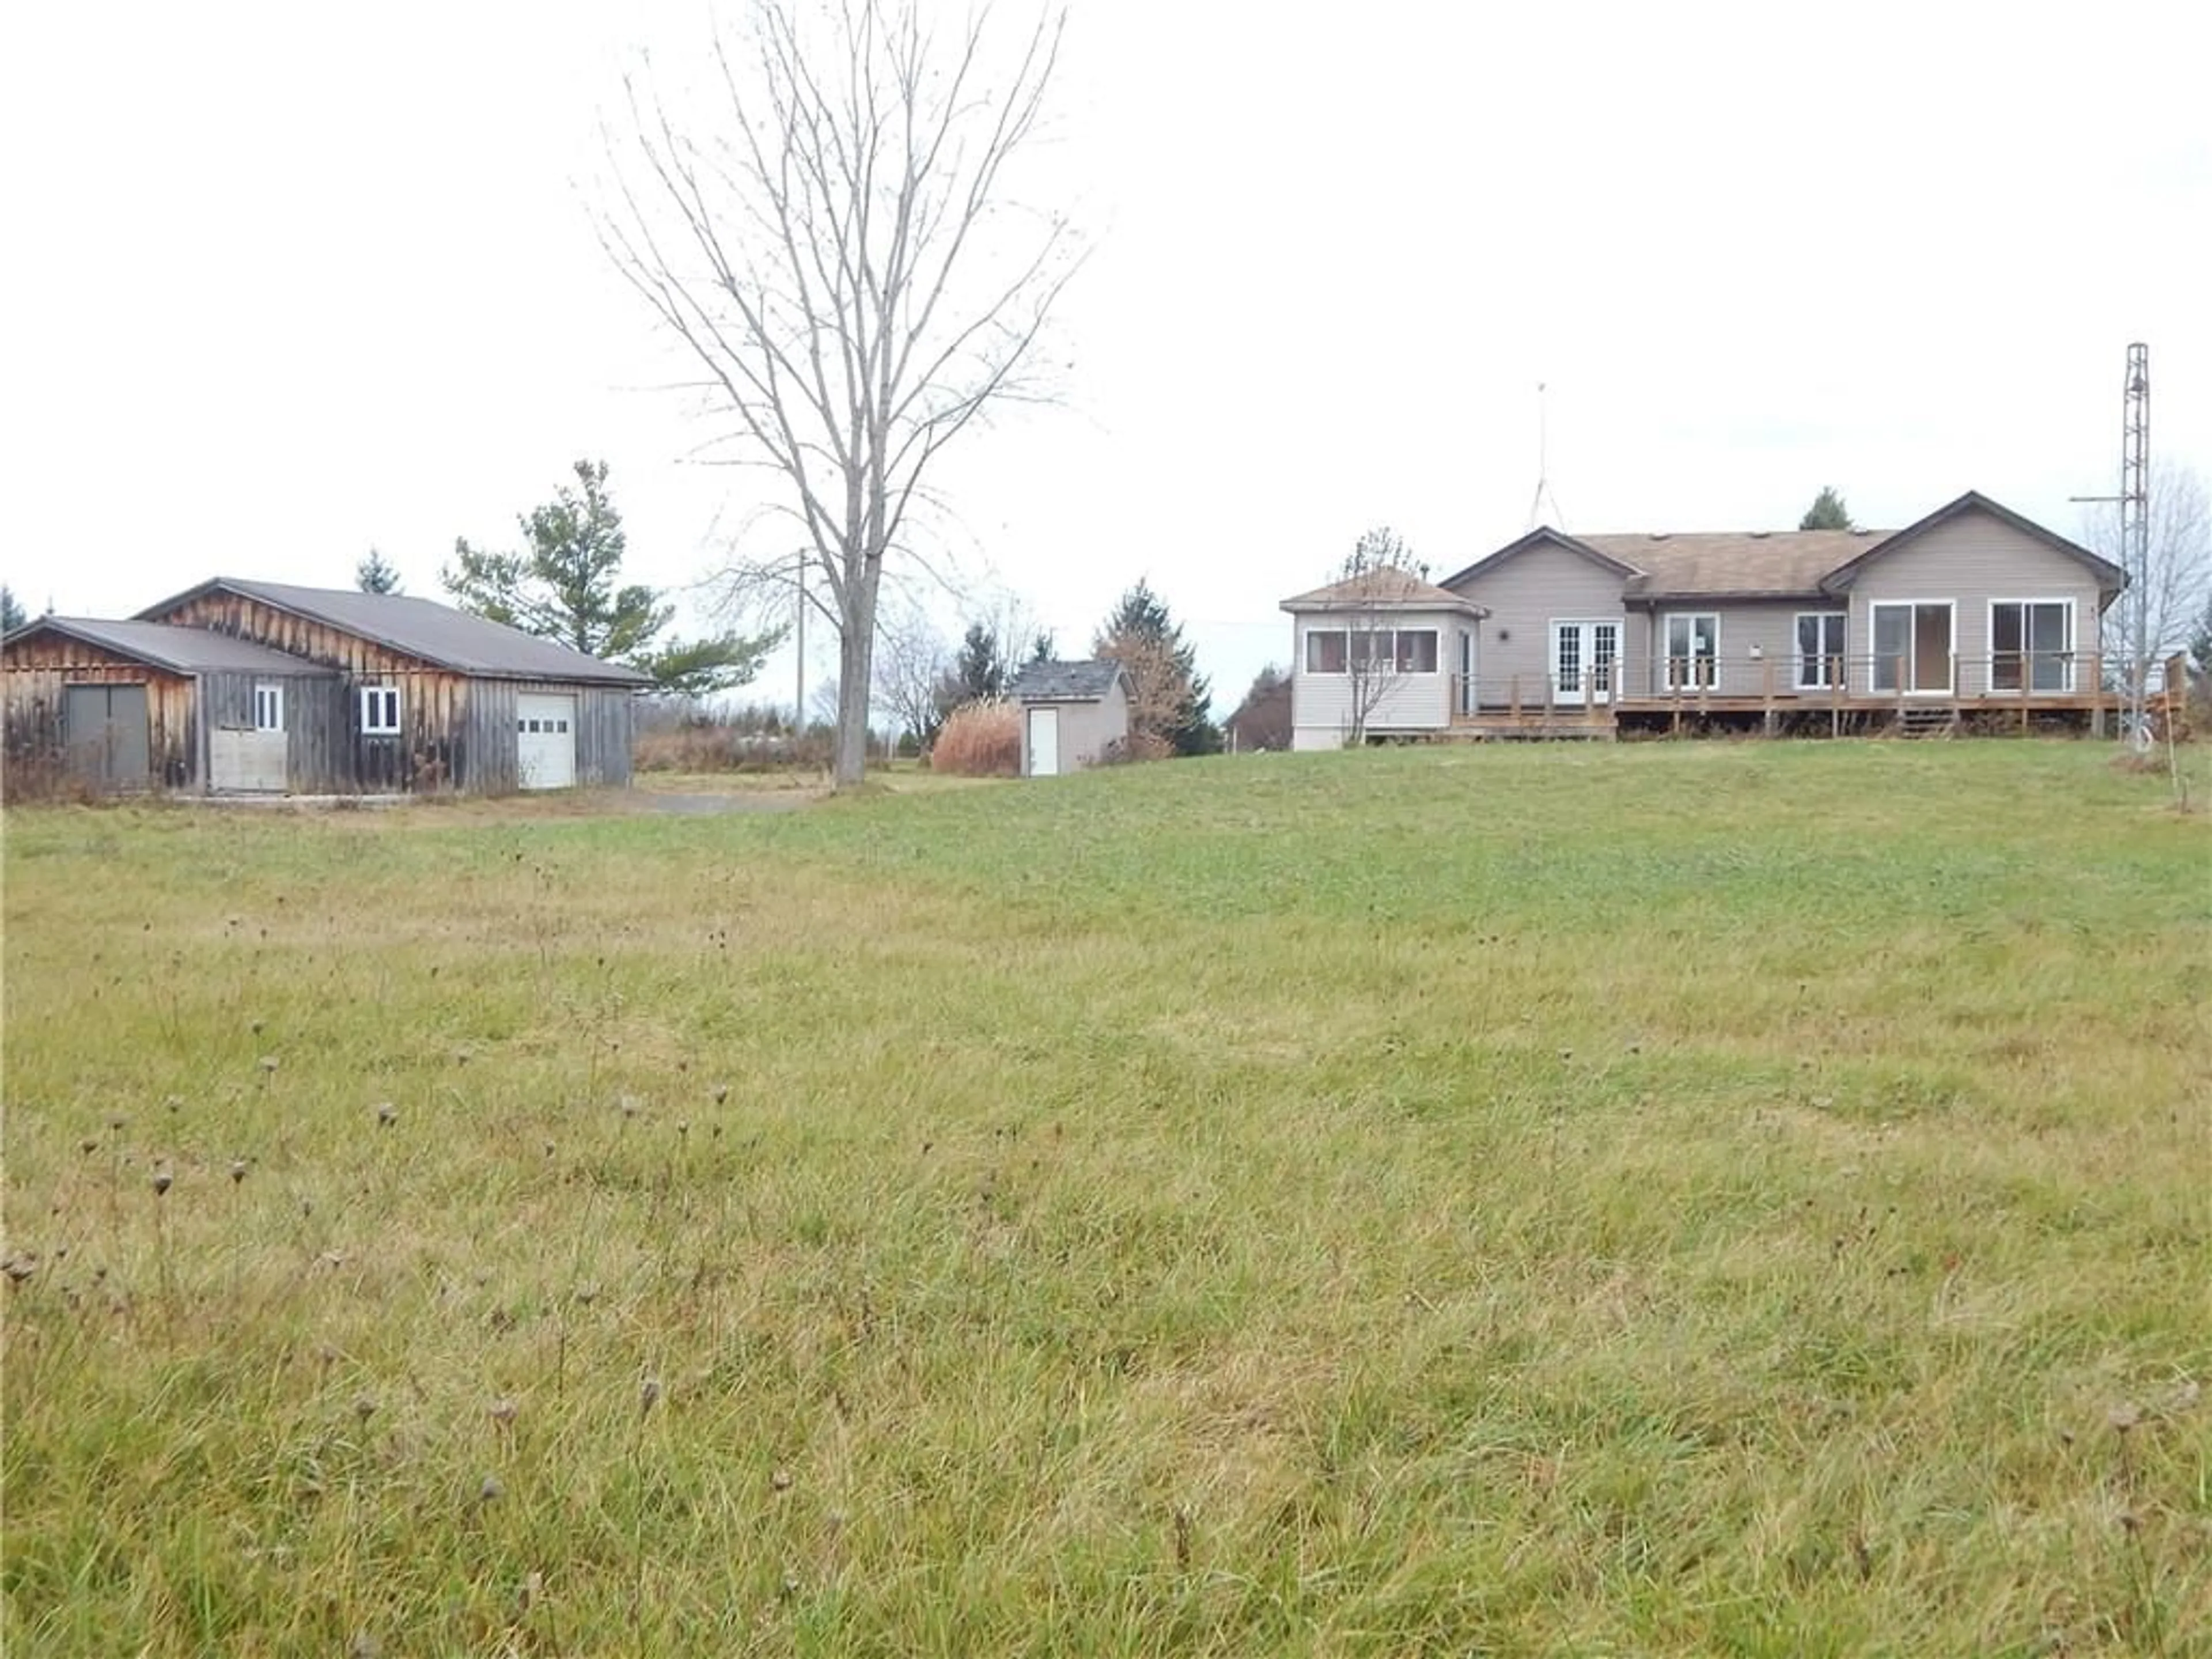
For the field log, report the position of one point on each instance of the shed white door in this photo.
(1044, 743)
(545, 739)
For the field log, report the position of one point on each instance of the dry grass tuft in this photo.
(980, 739)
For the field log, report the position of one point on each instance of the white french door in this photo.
(1585, 660)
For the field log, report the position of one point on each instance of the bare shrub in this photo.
(679, 737)
(980, 739)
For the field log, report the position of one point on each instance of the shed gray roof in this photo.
(184, 650)
(1064, 682)
(423, 628)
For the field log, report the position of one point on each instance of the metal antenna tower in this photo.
(1543, 472)
(2134, 466)
(2133, 501)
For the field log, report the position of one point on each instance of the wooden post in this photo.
(2096, 695)
(1513, 697)
(1766, 691)
(2027, 676)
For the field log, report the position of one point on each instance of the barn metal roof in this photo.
(182, 650)
(422, 628)
(1064, 682)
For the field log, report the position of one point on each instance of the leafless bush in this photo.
(681, 737)
(980, 739)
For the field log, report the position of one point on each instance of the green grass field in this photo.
(1647, 1200)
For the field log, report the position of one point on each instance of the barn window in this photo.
(380, 710)
(269, 709)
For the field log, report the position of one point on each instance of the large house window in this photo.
(1911, 646)
(269, 709)
(2032, 644)
(1372, 650)
(1693, 649)
(1819, 651)
(380, 710)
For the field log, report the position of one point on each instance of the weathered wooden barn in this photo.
(261, 687)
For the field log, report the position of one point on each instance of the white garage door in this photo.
(545, 739)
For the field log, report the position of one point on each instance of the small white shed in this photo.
(1074, 715)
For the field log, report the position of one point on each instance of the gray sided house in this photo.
(1073, 715)
(244, 687)
(1973, 610)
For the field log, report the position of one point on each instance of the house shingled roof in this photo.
(422, 628)
(1387, 588)
(1064, 682)
(1733, 563)
(182, 650)
(1754, 564)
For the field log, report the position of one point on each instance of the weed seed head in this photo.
(781, 1480)
(364, 1406)
(386, 1115)
(722, 1093)
(163, 1180)
(490, 1490)
(268, 1062)
(648, 1395)
(504, 1410)
(237, 1170)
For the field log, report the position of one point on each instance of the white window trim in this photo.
(1667, 655)
(1306, 653)
(1351, 632)
(1874, 662)
(2067, 656)
(1797, 655)
(370, 696)
(275, 695)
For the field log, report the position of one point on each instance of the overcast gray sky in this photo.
(285, 281)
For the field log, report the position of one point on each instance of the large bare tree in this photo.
(2168, 584)
(830, 237)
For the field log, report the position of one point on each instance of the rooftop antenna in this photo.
(1543, 468)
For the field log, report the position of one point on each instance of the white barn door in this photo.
(1044, 743)
(545, 740)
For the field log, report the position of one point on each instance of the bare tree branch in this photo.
(831, 243)
(2150, 622)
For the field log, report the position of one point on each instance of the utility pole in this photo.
(799, 708)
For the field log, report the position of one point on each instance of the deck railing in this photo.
(2007, 679)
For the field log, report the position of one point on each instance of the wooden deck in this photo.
(1752, 697)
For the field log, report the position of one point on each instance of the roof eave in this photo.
(1302, 607)
(1730, 596)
